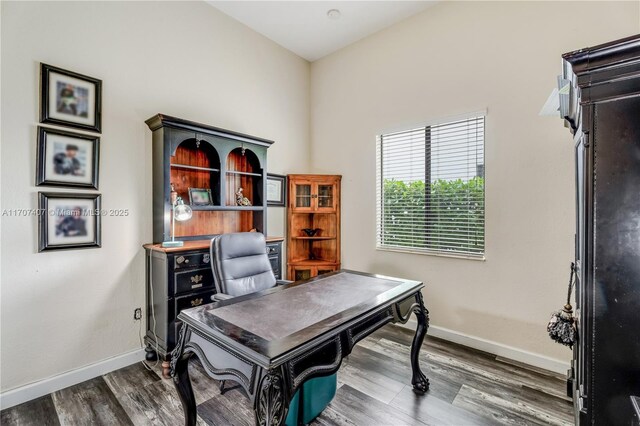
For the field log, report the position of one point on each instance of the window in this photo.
(430, 189)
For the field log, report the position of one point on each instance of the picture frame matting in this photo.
(70, 99)
(67, 159)
(69, 221)
(276, 190)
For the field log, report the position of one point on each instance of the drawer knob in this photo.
(180, 259)
(205, 258)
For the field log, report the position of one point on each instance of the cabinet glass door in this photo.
(303, 195)
(325, 196)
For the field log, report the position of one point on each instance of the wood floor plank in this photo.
(332, 417)
(398, 366)
(204, 387)
(89, 403)
(524, 366)
(504, 411)
(130, 378)
(432, 410)
(155, 404)
(358, 408)
(38, 412)
(479, 372)
(371, 382)
(230, 408)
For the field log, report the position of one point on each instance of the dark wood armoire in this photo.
(603, 111)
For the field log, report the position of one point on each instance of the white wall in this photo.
(454, 58)
(64, 310)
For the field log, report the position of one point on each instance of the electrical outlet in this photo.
(137, 314)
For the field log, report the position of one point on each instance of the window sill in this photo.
(432, 253)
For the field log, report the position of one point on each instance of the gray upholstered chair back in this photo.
(240, 263)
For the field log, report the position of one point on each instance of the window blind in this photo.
(430, 189)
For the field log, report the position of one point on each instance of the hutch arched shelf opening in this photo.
(244, 171)
(195, 164)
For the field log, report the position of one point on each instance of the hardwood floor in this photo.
(468, 387)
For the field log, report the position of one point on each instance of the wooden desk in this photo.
(272, 341)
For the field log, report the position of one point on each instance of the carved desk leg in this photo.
(271, 404)
(181, 380)
(419, 381)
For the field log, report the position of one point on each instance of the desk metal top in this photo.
(270, 323)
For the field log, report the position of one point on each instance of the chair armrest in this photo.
(221, 296)
(283, 282)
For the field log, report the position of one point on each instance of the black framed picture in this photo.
(68, 221)
(200, 197)
(67, 159)
(70, 99)
(276, 190)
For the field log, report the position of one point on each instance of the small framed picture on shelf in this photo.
(70, 99)
(200, 197)
(276, 190)
(67, 159)
(68, 221)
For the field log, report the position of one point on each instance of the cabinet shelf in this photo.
(313, 262)
(226, 208)
(233, 172)
(312, 213)
(186, 166)
(314, 238)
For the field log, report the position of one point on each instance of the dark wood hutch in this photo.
(603, 113)
(192, 155)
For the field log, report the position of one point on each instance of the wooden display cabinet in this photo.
(314, 203)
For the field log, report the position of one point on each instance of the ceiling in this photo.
(304, 27)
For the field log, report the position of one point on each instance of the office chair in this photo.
(241, 266)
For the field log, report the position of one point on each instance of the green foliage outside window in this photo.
(454, 221)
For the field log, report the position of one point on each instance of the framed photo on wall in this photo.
(67, 159)
(70, 99)
(276, 190)
(68, 221)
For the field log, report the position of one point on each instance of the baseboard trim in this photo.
(43, 387)
(505, 351)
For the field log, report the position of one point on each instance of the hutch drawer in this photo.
(193, 260)
(192, 280)
(274, 249)
(193, 300)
